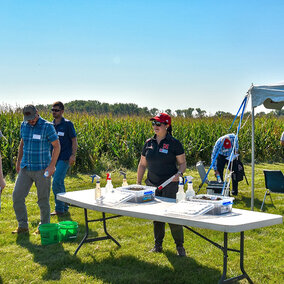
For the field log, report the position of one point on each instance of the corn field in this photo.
(108, 142)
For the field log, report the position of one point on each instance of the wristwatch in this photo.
(180, 173)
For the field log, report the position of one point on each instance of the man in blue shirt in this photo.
(36, 164)
(67, 157)
(224, 147)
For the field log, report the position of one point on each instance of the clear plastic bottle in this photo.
(98, 192)
(109, 186)
(190, 191)
(124, 181)
(180, 194)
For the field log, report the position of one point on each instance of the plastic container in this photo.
(190, 208)
(68, 230)
(114, 198)
(141, 193)
(222, 204)
(49, 234)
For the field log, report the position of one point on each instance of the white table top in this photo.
(237, 221)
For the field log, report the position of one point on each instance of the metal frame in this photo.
(224, 248)
(267, 192)
(106, 237)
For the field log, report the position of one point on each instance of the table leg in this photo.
(225, 261)
(105, 230)
(89, 240)
(86, 231)
(242, 257)
(225, 258)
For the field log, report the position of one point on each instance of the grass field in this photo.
(24, 260)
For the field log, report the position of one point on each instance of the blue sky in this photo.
(158, 53)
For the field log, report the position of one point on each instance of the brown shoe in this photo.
(56, 213)
(20, 230)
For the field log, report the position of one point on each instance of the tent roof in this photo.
(271, 96)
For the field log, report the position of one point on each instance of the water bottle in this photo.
(46, 174)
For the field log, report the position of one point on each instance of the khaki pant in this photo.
(22, 188)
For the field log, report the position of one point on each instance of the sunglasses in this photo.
(55, 110)
(157, 123)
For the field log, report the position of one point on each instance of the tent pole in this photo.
(252, 156)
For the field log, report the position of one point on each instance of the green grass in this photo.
(24, 260)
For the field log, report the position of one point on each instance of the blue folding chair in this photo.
(274, 182)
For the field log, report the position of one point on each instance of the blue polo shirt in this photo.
(65, 131)
(37, 140)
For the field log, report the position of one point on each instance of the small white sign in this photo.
(60, 133)
(36, 136)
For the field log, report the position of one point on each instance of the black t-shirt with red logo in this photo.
(161, 159)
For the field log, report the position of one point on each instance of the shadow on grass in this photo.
(118, 269)
(247, 202)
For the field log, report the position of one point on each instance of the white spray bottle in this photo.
(180, 194)
(190, 191)
(109, 186)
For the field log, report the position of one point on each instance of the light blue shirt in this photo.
(37, 140)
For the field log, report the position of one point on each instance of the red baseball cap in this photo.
(227, 143)
(163, 118)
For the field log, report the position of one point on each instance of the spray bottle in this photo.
(190, 191)
(98, 186)
(98, 192)
(180, 194)
(109, 186)
(124, 181)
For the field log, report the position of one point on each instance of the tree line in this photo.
(94, 107)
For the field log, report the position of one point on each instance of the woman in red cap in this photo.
(163, 156)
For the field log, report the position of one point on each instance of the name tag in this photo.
(165, 151)
(36, 136)
(60, 133)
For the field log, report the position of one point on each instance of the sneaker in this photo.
(181, 251)
(20, 230)
(57, 213)
(156, 248)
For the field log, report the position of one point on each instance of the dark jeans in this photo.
(221, 162)
(159, 227)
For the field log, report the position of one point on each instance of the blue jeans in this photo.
(58, 184)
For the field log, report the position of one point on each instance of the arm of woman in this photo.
(141, 169)
(181, 161)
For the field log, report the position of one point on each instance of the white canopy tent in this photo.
(272, 97)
